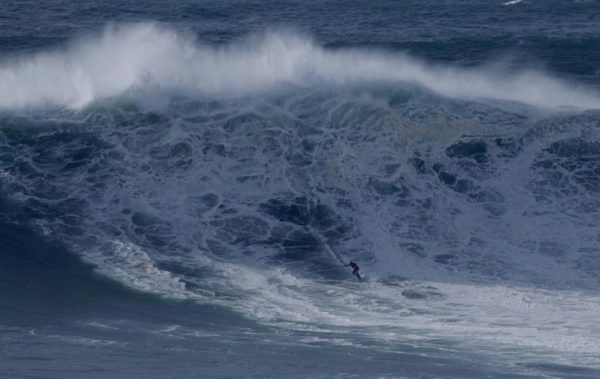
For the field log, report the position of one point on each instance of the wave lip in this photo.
(148, 56)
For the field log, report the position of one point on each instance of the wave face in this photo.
(246, 175)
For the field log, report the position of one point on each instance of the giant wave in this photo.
(245, 175)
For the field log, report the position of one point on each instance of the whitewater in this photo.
(148, 55)
(175, 204)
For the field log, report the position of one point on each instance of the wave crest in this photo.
(150, 56)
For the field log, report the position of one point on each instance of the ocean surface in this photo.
(181, 183)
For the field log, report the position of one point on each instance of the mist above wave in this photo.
(150, 56)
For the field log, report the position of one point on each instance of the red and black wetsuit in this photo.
(355, 267)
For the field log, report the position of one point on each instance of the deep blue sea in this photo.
(181, 183)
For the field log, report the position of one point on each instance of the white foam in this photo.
(78, 340)
(508, 320)
(270, 294)
(132, 266)
(512, 2)
(146, 56)
(100, 325)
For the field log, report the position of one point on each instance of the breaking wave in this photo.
(161, 60)
(273, 160)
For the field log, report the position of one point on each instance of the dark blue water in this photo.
(181, 184)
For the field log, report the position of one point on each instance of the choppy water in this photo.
(181, 183)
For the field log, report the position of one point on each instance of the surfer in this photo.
(355, 268)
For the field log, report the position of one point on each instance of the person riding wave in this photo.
(355, 268)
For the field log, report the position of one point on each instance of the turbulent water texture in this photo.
(212, 170)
